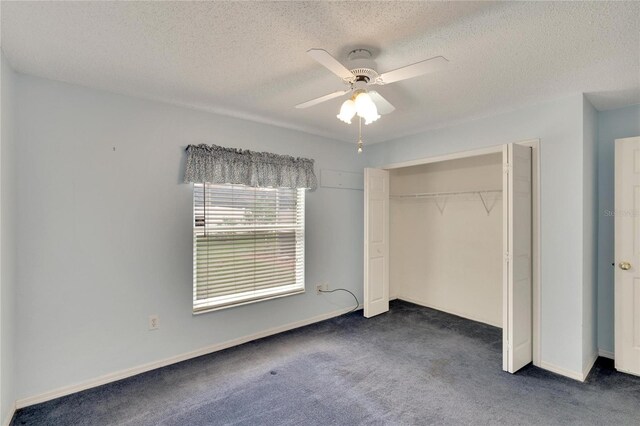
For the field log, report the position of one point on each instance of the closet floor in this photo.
(412, 365)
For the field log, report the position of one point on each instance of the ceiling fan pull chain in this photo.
(359, 134)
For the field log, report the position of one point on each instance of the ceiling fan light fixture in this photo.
(347, 111)
(359, 78)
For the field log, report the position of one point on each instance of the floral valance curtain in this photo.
(216, 164)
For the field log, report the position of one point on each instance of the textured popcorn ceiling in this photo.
(248, 59)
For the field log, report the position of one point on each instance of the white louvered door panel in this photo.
(517, 331)
(376, 242)
(248, 244)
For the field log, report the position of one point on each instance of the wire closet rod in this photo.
(441, 197)
(445, 194)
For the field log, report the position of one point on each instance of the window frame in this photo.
(215, 303)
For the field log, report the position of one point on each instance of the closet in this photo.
(456, 233)
(445, 236)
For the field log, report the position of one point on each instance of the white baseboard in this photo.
(581, 377)
(448, 311)
(562, 371)
(12, 412)
(123, 374)
(606, 354)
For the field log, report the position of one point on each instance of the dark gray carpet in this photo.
(412, 365)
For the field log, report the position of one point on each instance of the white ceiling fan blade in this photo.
(324, 58)
(321, 99)
(383, 105)
(414, 70)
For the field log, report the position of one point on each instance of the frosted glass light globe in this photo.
(365, 108)
(347, 111)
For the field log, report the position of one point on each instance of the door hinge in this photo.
(506, 168)
(507, 256)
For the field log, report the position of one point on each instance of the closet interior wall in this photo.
(446, 250)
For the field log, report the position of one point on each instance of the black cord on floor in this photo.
(344, 289)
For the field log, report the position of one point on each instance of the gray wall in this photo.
(612, 125)
(559, 126)
(106, 236)
(8, 221)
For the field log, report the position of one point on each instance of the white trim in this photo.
(445, 157)
(448, 311)
(606, 354)
(562, 371)
(581, 377)
(12, 412)
(123, 374)
(587, 368)
(625, 139)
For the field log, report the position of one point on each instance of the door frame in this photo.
(534, 144)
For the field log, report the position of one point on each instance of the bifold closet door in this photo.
(376, 242)
(517, 337)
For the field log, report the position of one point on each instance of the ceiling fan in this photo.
(361, 75)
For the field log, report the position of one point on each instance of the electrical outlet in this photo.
(322, 287)
(154, 322)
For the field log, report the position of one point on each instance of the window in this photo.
(248, 244)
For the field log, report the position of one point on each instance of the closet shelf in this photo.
(441, 197)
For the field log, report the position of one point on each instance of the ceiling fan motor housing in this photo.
(362, 66)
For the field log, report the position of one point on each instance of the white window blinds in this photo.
(248, 244)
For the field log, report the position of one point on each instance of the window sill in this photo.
(246, 301)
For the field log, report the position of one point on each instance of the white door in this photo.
(627, 255)
(517, 332)
(376, 242)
